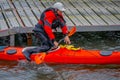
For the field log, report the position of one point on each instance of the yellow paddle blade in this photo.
(39, 58)
(72, 31)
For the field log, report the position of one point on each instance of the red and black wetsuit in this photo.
(43, 30)
(50, 20)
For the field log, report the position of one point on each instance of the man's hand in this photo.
(67, 40)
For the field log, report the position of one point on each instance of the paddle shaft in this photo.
(60, 40)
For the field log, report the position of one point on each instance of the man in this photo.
(50, 19)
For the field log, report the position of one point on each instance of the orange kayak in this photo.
(65, 56)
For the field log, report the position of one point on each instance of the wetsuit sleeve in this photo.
(49, 17)
(64, 29)
(63, 26)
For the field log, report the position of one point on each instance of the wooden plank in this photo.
(79, 8)
(11, 19)
(117, 9)
(74, 12)
(80, 12)
(22, 13)
(16, 14)
(78, 17)
(68, 22)
(3, 25)
(28, 12)
(111, 4)
(116, 2)
(39, 5)
(77, 13)
(72, 17)
(88, 17)
(96, 6)
(118, 14)
(6, 19)
(46, 3)
(86, 14)
(115, 13)
(93, 14)
(96, 18)
(70, 14)
(111, 16)
(102, 12)
(104, 15)
(34, 8)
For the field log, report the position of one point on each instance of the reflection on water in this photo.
(97, 40)
(23, 70)
(30, 71)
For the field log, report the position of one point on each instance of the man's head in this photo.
(59, 6)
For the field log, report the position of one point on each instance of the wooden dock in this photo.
(20, 16)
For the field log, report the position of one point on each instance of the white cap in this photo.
(59, 6)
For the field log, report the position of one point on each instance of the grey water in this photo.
(23, 70)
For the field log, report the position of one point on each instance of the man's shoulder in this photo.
(50, 13)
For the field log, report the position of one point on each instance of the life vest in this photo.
(56, 23)
(46, 24)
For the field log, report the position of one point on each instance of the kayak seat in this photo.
(105, 53)
(11, 51)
